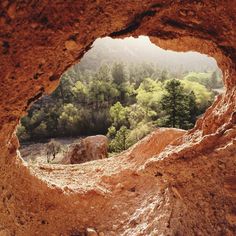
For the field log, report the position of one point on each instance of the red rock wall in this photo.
(187, 189)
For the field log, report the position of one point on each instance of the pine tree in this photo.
(175, 105)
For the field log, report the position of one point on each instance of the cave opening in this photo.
(186, 188)
(120, 91)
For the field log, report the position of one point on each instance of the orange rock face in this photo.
(184, 188)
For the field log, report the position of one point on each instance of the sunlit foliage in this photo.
(124, 102)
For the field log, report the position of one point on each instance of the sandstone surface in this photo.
(185, 188)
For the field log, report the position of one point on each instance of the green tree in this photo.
(69, 119)
(193, 109)
(149, 95)
(138, 72)
(119, 142)
(120, 78)
(175, 105)
(104, 74)
(80, 92)
(64, 90)
(210, 80)
(137, 114)
(138, 132)
(204, 97)
(111, 134)
(119, 115)
(22, 133)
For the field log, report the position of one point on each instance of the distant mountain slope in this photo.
(139, 50)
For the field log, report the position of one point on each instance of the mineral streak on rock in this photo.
(183, 186)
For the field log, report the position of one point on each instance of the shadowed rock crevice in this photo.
(134, 24)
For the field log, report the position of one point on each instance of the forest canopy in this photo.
(125, 88)
(123, 101)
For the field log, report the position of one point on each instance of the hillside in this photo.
(141, 50)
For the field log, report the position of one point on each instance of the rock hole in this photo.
(120, 92)
(158, 174)
(5, 47)
(133, 189)
(44, 222)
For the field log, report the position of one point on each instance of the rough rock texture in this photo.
(87, 149)
(187, 188)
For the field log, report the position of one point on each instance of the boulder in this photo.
(87, 149)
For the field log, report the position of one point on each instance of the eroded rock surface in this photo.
(188, 188)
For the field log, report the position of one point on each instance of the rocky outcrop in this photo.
(188, 188)
(87, 149)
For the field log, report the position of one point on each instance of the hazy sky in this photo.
(138, 50)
